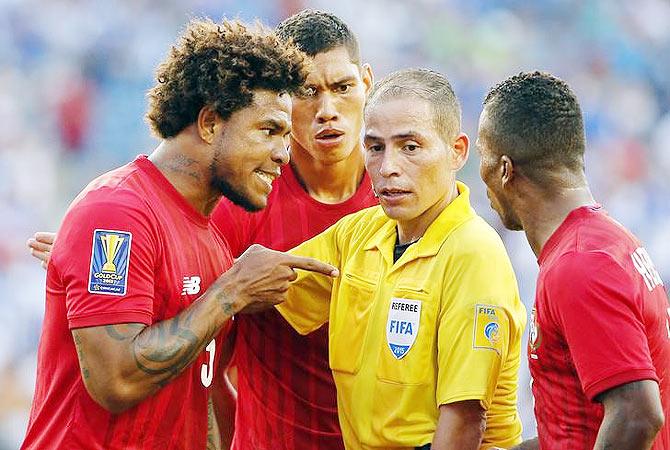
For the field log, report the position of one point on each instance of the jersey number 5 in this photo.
(207, 370)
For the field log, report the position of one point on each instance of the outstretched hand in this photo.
(261, 277)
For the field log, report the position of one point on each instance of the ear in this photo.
(368, 77)
(207, 122)
(506, 170)
(460, 151)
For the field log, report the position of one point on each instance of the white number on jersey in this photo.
(207, 370)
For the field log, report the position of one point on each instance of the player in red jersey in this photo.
(136, 312)
(599, 346)
(286, 392)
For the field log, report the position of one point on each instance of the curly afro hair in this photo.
(316, 32)
(220, 65)
(536, 120)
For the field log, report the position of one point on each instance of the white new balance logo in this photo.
(191, 285)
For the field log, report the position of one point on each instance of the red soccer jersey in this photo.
(600, 320)
(130, 249)
(286, 393)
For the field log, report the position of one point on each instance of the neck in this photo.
(178, 161)
(413, 229)
(328, 183)
(546, 211)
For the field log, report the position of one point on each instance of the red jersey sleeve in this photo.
(235, 224)
(595, 305)
(105, 257)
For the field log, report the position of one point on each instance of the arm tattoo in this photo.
(164, 349)
(82, 363)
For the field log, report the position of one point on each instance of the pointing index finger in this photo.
(311, 264)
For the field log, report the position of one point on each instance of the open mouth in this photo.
(329, 135)
(266, 177)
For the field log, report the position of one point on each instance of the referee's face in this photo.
(413, 169)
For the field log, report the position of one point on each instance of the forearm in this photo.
(624, 433)
(460, 427)
(531, 444)
(148, 358)
(633, 416)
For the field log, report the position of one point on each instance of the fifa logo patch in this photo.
(109, 262)
(487, 332)
(402, 325)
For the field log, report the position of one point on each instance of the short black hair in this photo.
(317, 32)
(427, 85)
(535, 119)
(220, 65)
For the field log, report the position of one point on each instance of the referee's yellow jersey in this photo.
(441, 325)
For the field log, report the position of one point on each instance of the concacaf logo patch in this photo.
(109, 262)
(488, 327)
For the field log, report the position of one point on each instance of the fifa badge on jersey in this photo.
(487, 327)
(402, 325)
(109, 262)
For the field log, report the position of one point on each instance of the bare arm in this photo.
(633, 416)
(125, 363)
(460, 426)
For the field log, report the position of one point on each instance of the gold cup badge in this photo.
(110, 244)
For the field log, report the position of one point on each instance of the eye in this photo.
(410, 147)
(374, 148)
(343, 88)
(269, 131)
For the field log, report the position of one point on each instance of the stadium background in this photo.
(73, 76)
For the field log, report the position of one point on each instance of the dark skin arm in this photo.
(123, 364)
(633, 416)
(460, 426)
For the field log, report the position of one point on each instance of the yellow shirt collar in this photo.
(455, 213)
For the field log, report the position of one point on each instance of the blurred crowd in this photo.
(73, 75)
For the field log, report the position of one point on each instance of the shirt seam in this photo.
(622, 375)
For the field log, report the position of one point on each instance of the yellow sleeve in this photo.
(481, 318)
(307, 304)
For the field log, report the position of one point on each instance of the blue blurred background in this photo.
(73, 75)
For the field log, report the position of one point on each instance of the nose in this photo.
(280, 154)
(390, 165)
(327, 111)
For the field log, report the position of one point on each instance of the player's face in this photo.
(251, 147)
(412, 168)
(328, 119)
(490, 170)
